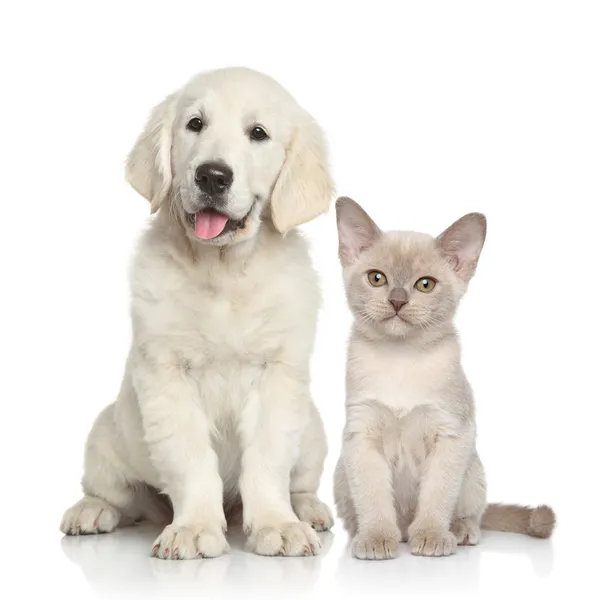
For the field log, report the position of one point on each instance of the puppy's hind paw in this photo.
(310, 509)
(90, 515)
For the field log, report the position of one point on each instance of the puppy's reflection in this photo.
(120, 562)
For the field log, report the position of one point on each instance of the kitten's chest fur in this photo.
(404, 395)
(399, 375)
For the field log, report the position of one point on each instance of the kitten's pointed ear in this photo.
(357, 231)
(462, 243)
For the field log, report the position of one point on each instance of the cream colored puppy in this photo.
(214, 409)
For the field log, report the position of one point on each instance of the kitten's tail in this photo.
(537, 522)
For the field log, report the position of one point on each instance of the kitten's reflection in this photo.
(119, 562)
(540, 553)
(459, 573)
(407, 572)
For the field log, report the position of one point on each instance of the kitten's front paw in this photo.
(375, 545)
(432, 542)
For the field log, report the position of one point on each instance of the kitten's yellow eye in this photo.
(425, 284)
(376, 278)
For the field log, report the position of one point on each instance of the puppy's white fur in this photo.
(214, 404)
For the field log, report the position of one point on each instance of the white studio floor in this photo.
(118, 565)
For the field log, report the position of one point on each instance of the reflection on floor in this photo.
(120, 563)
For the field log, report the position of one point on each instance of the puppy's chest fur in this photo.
(203, 313)
(219, 309)
(221, 321)
(222, 314)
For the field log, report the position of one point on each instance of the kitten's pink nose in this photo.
(398, 298)
(398, 304)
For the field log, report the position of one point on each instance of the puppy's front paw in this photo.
(287, 539)
(432, 542)
(310, 509)
(375, 545)
(178, 543)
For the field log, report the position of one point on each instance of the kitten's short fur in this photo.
(409, 468)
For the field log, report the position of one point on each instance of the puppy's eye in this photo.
(377, 278)
(425, 284)
(258, 134)
(195, 124)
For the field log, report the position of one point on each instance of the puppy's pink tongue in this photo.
(209, 224)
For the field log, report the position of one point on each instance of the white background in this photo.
(432, 110)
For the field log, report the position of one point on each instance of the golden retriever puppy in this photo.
(214, 414)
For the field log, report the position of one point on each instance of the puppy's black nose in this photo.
(213, 178)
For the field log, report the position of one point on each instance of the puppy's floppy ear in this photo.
(148, 166)
(462, 243)
(304, 187)
(357, 230)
